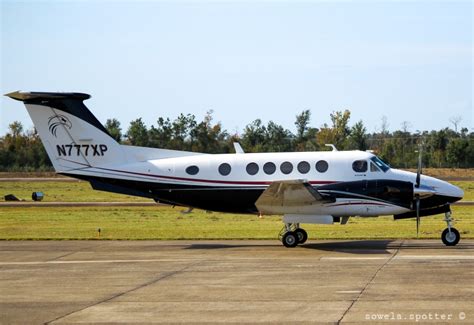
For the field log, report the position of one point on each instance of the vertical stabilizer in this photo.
(71, 134)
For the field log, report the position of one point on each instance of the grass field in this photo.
(76, 191)
(162, 222)
(168, 223)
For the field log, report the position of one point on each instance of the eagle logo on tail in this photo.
(57, 120)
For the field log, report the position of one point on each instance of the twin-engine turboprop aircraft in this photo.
(304, 187)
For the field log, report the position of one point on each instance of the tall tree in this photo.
(16, 129)
(253, 138)
(113, 127)
(137, 133)
(277, 138)
(302, 122)
(303, 131)
(161, 135)
(457, 152)
(358, 137)
(339, 132)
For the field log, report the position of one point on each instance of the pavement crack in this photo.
(369, 283)
(143, 285)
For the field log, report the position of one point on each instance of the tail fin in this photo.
(71, 134)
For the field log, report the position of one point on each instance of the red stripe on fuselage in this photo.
(197, 180)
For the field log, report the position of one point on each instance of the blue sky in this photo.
(409, 61)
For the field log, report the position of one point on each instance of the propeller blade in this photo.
(419, 171)
(417, 216)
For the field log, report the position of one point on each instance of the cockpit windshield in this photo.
(380, 163)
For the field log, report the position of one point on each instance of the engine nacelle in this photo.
(305, 218)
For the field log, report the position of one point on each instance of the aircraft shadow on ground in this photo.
(354, 247)
(346, 246)
(221, 246)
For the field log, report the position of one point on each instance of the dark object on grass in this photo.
(11, 197)
(37, 196)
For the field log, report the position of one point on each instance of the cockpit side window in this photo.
(373, 167)
(380, 163)
(359, 166)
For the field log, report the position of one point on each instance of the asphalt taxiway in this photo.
(356, 281)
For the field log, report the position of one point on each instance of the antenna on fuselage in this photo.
(332, 146)
(238, 149)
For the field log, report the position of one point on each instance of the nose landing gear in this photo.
(450, 235)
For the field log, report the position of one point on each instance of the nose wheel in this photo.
(291, 235)
(450, 235)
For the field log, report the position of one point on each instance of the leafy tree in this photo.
(253, 138)
(160, 137)
(113, 127)
(305, 138)
(23, 151)
(181, 131)
(338, 133)
(16, 129)
(137, 133)
(340, 124)
(209, 138)
(358, 137)
(277, 138)
(457, 152)
(302, 122)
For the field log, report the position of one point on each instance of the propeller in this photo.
(417, 203)
(419, 171)
(417, 185)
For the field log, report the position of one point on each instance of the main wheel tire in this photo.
(290, 239)
(450, 239)
(302, 235)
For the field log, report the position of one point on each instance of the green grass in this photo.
(75, 191)
(169, 223)
(468, 188)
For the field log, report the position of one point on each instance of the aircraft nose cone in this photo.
(450, 191)
(455, 192)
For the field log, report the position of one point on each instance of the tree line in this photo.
(22, 150)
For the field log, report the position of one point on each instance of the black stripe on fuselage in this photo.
(213, 198)
(242, 199)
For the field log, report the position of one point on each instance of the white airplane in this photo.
(305, 187)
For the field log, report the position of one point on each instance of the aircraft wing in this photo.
(293, 193)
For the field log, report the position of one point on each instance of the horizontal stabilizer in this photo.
(31, 95)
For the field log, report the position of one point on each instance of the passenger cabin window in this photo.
(322, 166)
(269, 168)
(252, 168)
(224, 169)
(192, 170)
(304, 167)
(286, 167)
(359, 166)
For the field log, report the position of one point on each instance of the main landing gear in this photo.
(291, 235)
(450, 235)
